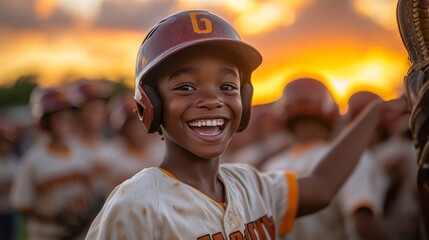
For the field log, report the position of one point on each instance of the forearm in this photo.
(320, 187)
(346, 150)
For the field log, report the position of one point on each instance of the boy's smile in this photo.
(200, 93)
(207, 127)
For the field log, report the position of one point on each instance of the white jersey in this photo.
(331, 222)
(156, 205)
(7, 171)
(402, 214)
(47, 184)
(101, 156)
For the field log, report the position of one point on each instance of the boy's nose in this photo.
(210, 100)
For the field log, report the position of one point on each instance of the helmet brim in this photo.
(249, 57)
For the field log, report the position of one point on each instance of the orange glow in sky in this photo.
(365, 56)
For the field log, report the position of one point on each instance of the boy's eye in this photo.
(184, 87)
(228, 87)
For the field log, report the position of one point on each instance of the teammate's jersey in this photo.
(102, 158)
(129, 162)
(7, 171)
(331, 222)
(401, 217)
(47, 184)
(155, 205)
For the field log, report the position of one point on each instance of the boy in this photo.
(193, 86)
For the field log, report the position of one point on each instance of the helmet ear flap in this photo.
(246, 99)
(149, 108)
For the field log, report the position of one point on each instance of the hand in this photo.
(398, 105)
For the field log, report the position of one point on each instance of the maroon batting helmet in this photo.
(181, 31)
(307, 97)
(46, 101)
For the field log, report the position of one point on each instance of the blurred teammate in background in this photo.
(311, 114)
(52, 180)
(394, 156)
(133, 149)
(265, 137)
(91, 97)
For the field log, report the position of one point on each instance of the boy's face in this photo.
(200, 94)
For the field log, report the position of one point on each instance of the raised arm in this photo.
(318, 189)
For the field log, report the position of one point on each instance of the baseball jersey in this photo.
(155, 205)
(47, 183)
(331, 222)
(402, 216)
(101, 157)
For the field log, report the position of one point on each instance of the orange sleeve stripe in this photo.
(168, 173)
(292, 203)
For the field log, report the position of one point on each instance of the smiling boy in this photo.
(193, 86)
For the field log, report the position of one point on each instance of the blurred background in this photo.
(350, 44)
(54, 46)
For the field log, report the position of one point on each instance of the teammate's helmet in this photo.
(180, 31)
(44, 101)
(307, 97)
(358, 101)
(85, 90)
(121, 108)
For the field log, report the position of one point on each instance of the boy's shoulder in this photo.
(245, 174)
(147, 178)
(237, 169)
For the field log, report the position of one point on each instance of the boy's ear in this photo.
(246, 99)
(151, 111)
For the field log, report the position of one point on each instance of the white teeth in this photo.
(207, 122)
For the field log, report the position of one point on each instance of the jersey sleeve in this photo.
(285, 191)
(361, 189)
(279, 189)
(23, 192)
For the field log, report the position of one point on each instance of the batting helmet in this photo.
(85, 90)
(121, 108)
(181, 31)
(46, 101)
(307, 97)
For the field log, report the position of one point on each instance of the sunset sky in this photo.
(350, 44)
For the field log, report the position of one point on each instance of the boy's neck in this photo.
(202, 174)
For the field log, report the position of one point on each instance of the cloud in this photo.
(132, 14)
(22, 15)
(18, 14)
(382, 12)
(56, 15)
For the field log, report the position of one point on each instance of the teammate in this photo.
(133, 149)
(311, 114)
(193, 86)
(52, 180)
(394, 158)
(90, 97)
